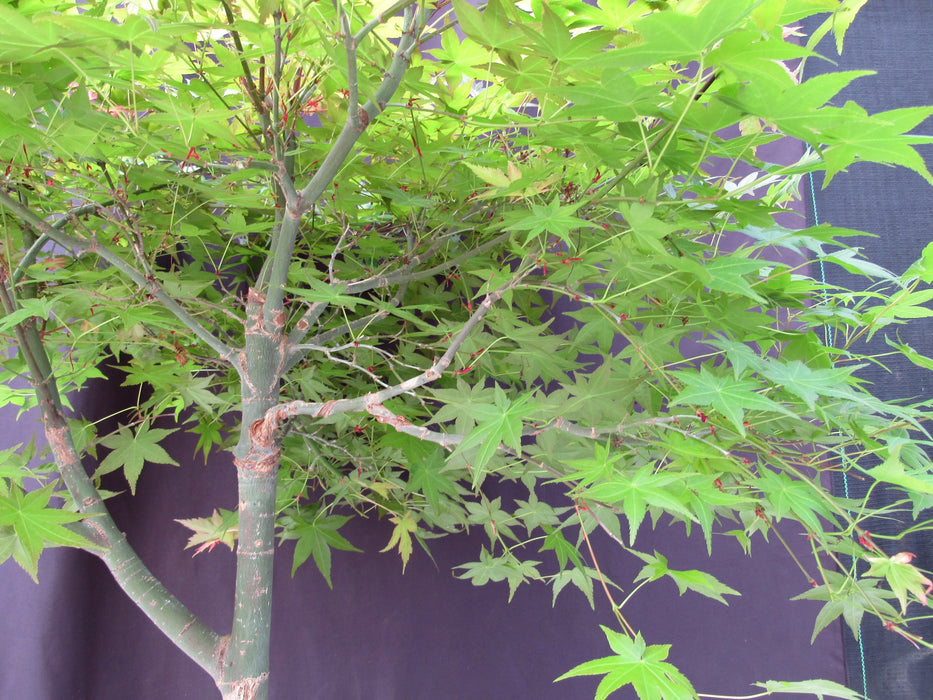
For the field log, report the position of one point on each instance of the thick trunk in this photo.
(245, 670)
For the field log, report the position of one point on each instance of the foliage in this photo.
(412, 250)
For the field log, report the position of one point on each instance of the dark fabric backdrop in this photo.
(892, 37)
(424, 635)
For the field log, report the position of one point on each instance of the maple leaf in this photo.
(220, 528)
(316, 534)
(639, 491)
(641, 666)
(130, 451)
(731, 397)
(28, 524)
(554, 218)
(902, 576)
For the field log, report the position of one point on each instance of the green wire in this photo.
(828, 336)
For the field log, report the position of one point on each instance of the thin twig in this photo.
(359, 404)
(379, 282)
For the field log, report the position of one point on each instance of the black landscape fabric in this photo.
(892, 37)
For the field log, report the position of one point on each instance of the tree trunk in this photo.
(245, 668)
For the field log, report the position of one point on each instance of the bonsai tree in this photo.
(385, 257)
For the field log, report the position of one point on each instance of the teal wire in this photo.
(828, 336)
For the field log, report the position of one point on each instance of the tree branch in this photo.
(446, 440)
(168, 614)
(373, 107)
(299, 350)
(353, 88)
(254, 97)
(149, 284)
(403, 425)
(300, 331)
(378, 282)
(272, 278)
(312, 314)
(380, 18)
(29, 256)
(282, 412)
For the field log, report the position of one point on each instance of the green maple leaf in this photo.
(590, 470)
(405, 526)
(893, 470)
(727, 274)
(690, 579)
(809, 384)
(488, 568)
(794, 497)
(493, 518)
(491, 176)
(903, 577)
(429, 477)
(878, 138)
(14, 465)
(502, 568)
(616, 101)
(563, 549)
(638, 491)
(316, 537)
(553, 218)
(34, 525)
(848, 598)
(581, 577)
(641, 666)
(839, 23)
(497, 424)
(425, 463)
(320, 292)
(820, 688)
(534, 513)
(731, 397)
(210, 433)
(130, 451)
(267, 8)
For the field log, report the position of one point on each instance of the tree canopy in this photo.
(387, 254)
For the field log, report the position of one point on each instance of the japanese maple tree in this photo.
(385, 254)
